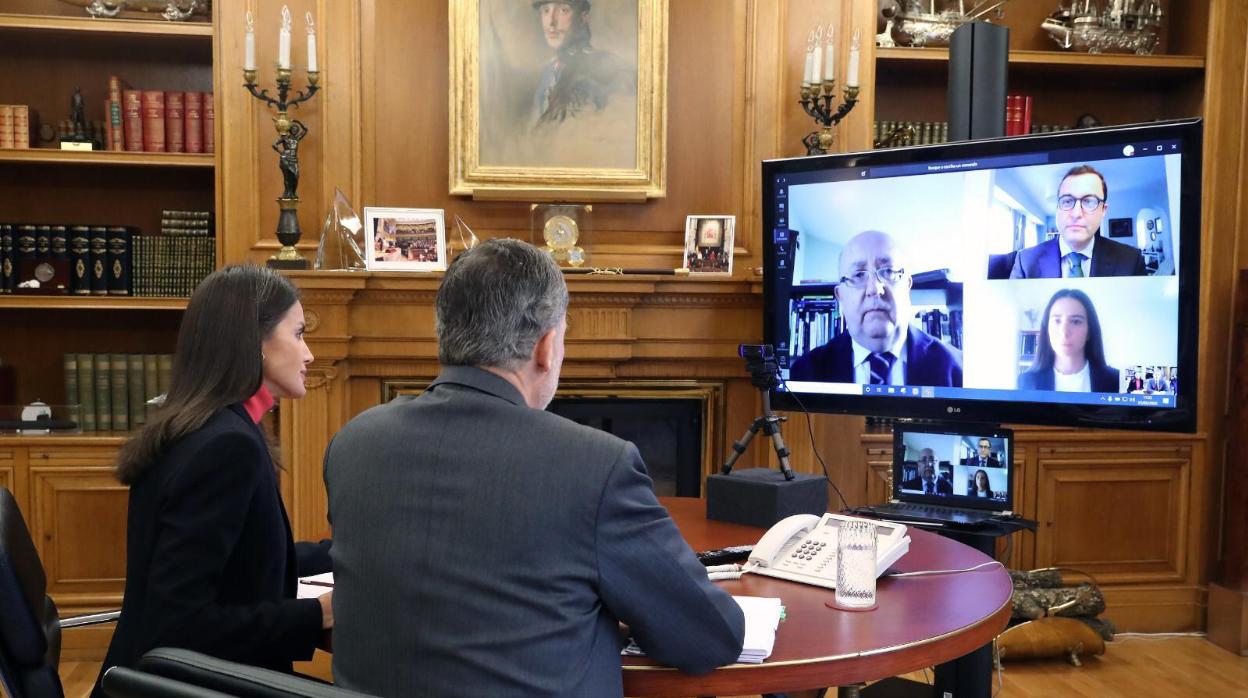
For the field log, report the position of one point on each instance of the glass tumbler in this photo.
(855, 564)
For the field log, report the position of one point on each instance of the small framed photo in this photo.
(708, 244)
(405, 239)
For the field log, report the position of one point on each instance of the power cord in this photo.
(927, 573)
(810, 430)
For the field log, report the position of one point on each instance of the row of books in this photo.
(900, 133)
(15, 125)
(110, 392)
(158, 121)
(52, 259)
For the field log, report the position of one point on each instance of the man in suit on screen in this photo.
(881, 346)
(1079, 250)
(983, 458)
(484, 546)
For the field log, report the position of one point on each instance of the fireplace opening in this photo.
(667, 433)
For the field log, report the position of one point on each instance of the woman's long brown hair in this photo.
(217, 361)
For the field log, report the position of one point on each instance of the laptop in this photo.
(950, 475)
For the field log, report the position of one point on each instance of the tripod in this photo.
(764, 376)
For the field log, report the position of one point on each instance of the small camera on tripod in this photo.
(760, 361)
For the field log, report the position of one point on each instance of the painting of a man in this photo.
(558, 83)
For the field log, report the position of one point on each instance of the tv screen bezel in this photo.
(1182, 417)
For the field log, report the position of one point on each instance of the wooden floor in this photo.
(1140, 667)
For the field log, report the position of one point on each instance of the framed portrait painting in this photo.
(558, 99)
(405, 239)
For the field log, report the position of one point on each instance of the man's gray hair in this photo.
(496, 300)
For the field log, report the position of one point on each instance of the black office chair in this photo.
(166, 671)
(30, 628)
(1000, 265)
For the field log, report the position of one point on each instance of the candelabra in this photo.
(819, 102)
(289, 133)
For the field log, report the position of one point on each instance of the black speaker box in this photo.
(761, 496)
(978, 76)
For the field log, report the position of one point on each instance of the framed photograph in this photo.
(405, 239)
(550, 102)
(708, 244)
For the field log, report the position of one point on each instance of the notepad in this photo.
(762, 619)
(315, 586)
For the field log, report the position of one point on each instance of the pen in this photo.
(314, 583)
(618, 271)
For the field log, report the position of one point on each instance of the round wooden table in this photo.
(920, 622)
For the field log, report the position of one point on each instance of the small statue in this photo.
(287, 148)
(77, 115)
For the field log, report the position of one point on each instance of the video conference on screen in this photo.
(970, 243)
(954, 465)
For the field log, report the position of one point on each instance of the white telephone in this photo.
(802, 548)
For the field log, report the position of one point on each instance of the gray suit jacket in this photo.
(485, 548)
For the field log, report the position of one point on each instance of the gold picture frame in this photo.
(520, 131)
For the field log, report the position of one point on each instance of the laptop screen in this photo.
(955, 465)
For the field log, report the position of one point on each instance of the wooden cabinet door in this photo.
(7, 474)
(879, 459)
(1118, 514)
(78, 521)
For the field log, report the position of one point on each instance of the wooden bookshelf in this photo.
(1019, 58)
(51, 156)
(91, 302)
(104, 438)
(11, 22)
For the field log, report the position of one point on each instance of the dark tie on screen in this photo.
(881, 364)
(1075, 261)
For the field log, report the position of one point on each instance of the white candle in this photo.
(249, 44)
(311, 44)
(283, 40)
(810, 57)
(816, 75)
(829, 58)
(852, 79)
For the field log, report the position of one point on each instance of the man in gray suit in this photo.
(484, 546)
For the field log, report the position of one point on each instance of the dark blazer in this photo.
(484, 547)
(929, 361)
(1109, 258)
(1104, 379)
(210, 564)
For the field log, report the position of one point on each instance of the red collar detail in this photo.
(258, 404)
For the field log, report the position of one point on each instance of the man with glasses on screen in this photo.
(881, 347)
(1079, 251)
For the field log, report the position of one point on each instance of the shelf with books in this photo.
(92, 303)
(13, 22)
(50, 156)
(112, 438)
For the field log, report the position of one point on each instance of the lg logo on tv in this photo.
(954, 410)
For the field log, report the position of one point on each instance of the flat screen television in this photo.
(983, 280)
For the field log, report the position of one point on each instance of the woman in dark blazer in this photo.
(1070, 355)
(210, 562)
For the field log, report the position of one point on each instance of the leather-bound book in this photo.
(23, 249)
(119, 396)
(132, 119)
(6, 125)
(113, 114)
(80, 260)
(134, 376)
(43, 242)
(21, 126)
(120, 261)
(70, 362)
(194, 122)
(210, 124)
(86, 391)
(6, 258)
(164, 372)
(103, 392)
(99, 260)
(151, 383)
(153, 121)
(174, 122)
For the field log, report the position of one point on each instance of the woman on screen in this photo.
(1070, 356)
(979, 486)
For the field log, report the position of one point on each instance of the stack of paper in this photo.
(762, 618)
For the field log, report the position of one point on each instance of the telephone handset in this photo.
(802, 548)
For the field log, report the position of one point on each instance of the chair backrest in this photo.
(29, 633)
(120, 682)
(232, 678)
